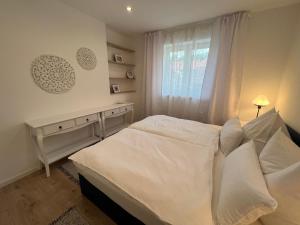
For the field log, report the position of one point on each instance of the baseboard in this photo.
(18, 176)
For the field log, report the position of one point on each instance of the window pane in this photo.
(184, 67)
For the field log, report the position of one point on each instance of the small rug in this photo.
(70, 217)
(70, 171)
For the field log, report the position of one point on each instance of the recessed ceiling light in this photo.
(129, 9)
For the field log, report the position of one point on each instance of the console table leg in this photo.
(40, 143)
(103, 125)
(47, 169)
(132, 116)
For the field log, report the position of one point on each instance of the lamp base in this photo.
(258, 109)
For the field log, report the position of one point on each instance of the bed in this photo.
(176, 163)
(173, 185)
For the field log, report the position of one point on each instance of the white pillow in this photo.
(280, 152)
(284, 186)
(279, 123)
(231, 136)
(259, 129)
(244, 196)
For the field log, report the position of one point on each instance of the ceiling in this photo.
(149, 15)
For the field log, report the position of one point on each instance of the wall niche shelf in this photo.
(117, 71)
(121, 78)
(127, 91)
(109, 44)
(121, 64)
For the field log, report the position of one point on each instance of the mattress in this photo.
(174, 177)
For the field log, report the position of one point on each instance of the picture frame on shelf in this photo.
(118, 58)
(130, 75)
(115, 88)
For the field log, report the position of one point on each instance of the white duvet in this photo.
(185, 130)
(171, 178)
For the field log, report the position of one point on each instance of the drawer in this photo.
(86, 119)
(126, 109)
(123, 109)
(111, 112)
(53, 128)
(129, 108)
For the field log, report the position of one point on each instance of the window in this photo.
(184, 66)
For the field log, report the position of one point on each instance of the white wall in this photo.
(289, 94)
(270, 36)
(30, 28)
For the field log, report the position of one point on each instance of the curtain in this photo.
(175, 63)
(153, 72)
(224, 71)
(194, 72)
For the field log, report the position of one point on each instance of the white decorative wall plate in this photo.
(86, 58)
(53, 74)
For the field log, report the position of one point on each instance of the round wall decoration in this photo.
(53, 74)
(86, 58)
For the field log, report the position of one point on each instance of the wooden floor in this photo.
(39, 200)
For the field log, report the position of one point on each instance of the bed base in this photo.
(294, 135)
(108, 206)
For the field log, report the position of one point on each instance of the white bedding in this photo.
(171, 178)
(185, 130)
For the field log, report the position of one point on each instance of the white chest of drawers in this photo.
(95, 118)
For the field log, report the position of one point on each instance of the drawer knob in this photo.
(60, 127)
(126, 109)
(87, 120)
(112, 112)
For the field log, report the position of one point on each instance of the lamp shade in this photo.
(261, 100)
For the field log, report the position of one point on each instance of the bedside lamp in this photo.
(260, 101)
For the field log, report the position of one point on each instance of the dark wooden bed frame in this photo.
(108, 206)
(116, 212)
(294, 135)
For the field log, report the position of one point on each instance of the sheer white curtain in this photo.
(186, 74)
(153, 72)
(174, 70)
(224, 72)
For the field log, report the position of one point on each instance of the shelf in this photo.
(60, 153)
(121, 78)
(121, 64)
(119, 47)
(121, 92)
